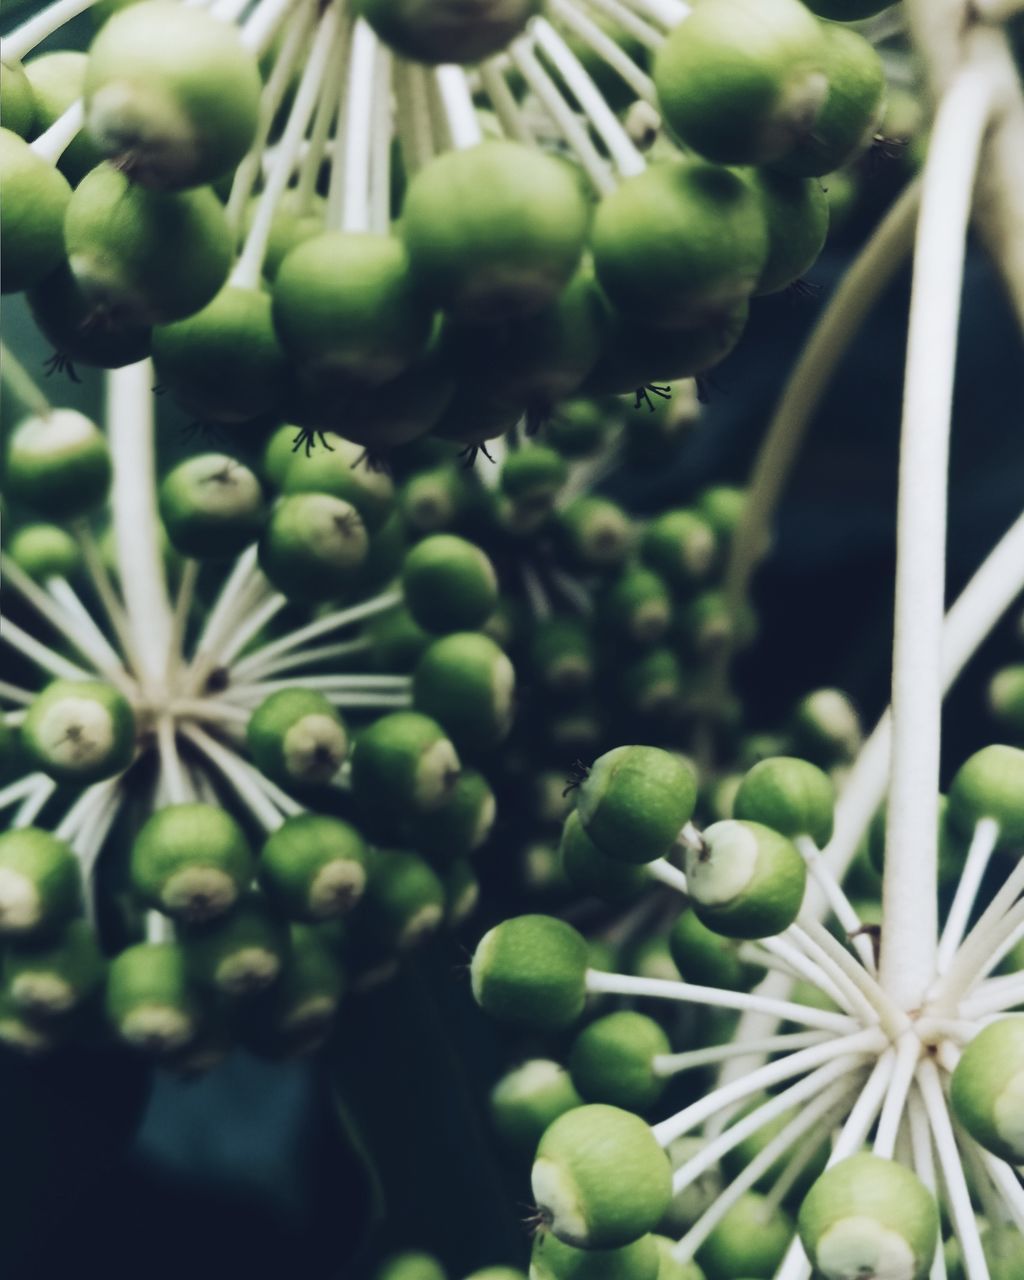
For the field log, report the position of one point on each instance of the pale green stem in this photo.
(909, 885)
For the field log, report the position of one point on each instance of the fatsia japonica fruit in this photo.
(171, 94)
(435, 31)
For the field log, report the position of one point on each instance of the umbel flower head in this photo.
(262, 722)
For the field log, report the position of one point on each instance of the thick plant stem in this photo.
(133, 500)
(909, 898)
(945, 34)
(22, 40)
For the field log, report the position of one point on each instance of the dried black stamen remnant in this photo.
(642, 395)
(578, 774)
(470, 452)
(60, 363)
(308, 437)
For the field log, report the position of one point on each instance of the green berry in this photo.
(467, 684)
(212, 506)
(825, 728)
(612, 1060)
(45, 551)
(742, 81)
(171, 94)
(990, 784)
(1004, 1251)
(58, 464)
(297, 738)
(32, 222)
(551, 1259)
(461, 891)
(224, 363)
(149, 1000)
(494, 231)
(597, 533)
(636, 607)
(410, 1266)
(600, 1179)
(532, 476)
(577, 428)
(40, 883)
(527, 1099)
(313, 546)
(680, 545)
(313, 867)
(636, 353)
(426, 31)
(751, 1240)
(746, 880)
(346, 311)
(561, 655)
(790, 796)
(191, 861)
(680, 244)
(240, 953)
(404, 765)
(1006, 698)
(987, 1089)
(796, 213)
(80, 731)
(706, 957)
(869, 1216)
(143, 257)
(20, 1034)
(537, 359)
(17, 101)
(531, 970)
(461, 826)
(590, 871)
(434, 498)
(69, 320)
(653, 685)
(449, 584)
(339, 469)
(635, 801)
(296, 1014)
(404, 902)
(398, 640)
(850, 115)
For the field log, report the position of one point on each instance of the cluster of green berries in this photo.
(383, 808)
(496, 286)
(601, 1176)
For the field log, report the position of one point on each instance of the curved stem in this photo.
(855, 295)
(909, 896)
(23, 39)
